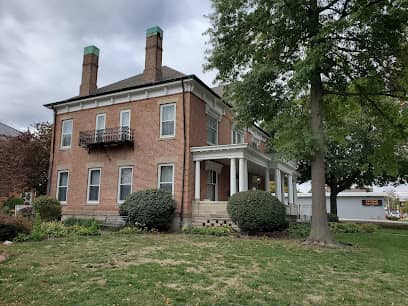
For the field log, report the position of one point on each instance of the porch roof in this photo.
(243, 150)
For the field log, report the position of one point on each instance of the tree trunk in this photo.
(320, 233)
(333, 201)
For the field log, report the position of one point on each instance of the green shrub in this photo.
(348, 227)
(393, 218)
(80, 221)
(26, 212)
(11, 226)
(257, 211)
(332, 217)
(48, 208)
(209, 230)
(153, 209)
(298, 230)
(12, 202)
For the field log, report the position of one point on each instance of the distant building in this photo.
(350, 205)
(7, 131)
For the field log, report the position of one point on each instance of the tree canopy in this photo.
(276, 52)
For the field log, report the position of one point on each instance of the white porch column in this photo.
(278, 185)
(233, 176)
(197, 181)
(294, 191)
(267, 179)
(290, 189)
(243, 175)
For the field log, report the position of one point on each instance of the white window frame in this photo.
(89, 185)
(159, 174)
(236, 130)
(216, 130)
(96, 124)
(119, 184)
(58, 185)
(62, 133)
(120, 117)
(161, 120)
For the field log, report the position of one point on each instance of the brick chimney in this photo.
(89, 71)
(153, 59)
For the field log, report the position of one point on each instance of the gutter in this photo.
(51, 161)
(184, 155)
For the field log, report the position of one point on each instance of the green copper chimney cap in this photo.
(91, 50)
(153, 31)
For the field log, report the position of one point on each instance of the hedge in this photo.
(48, 208)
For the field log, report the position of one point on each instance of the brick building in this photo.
(158, 129)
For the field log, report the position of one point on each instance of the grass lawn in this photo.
(178, 269)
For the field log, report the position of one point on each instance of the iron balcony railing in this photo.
(110, 136)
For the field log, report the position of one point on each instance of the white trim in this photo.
(88, 187)
(174, 121)
(119, 183)
(96, 121)
(62, 133)
(58, 186)
(120, 117)
(159, 174)
(208, 171)
(237, 130)
(210, 165)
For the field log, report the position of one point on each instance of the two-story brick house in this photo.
(158, 129)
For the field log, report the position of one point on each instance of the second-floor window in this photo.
(66, 133)
(212, 131)
(62, 186)
(167, 120)
(94, 184)
(100, 127)
(237, 136)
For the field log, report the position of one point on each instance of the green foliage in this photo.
(332, 218)
(49, 208)
(257, 211)
(298, 230)
(12, 202)
(346, 227)
(209, 230)
(79, 221)
(130, 230)
(153, 209)
(10, 227)
(393, 218)
(26, 212)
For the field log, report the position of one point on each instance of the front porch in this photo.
(222, 170)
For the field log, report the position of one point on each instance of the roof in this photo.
(6, 130)
(138, 80)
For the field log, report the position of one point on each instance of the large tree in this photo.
(274, 52)
(363, 148)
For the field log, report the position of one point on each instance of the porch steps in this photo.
(211, 213)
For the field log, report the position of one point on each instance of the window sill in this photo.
(92, 204)
(65, 148)
(167, 138)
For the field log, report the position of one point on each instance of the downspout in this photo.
(52, 155)
(184, 155)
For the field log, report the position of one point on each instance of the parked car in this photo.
(394, 214)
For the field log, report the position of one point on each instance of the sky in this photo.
(41, 47)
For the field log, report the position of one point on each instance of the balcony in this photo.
(112, 137)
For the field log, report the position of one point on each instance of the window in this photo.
(166, 177)
(237, 136)
(167, 120)
(212, 185)
(255, 142)
(66, 133)
(94, 182)
(100, 127)
(62, 186)
(125, 183)
(124, 124)
(212, 131)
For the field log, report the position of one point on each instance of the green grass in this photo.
(178, 269)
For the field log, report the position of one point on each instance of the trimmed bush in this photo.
(10, 227)
(332, 217)
(48, 208)
(257, 211)
(152, 209)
